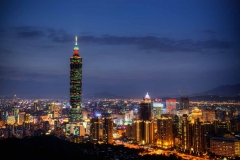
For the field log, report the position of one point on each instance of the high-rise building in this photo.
(128, 117)
(184, 103)
(35, 105)
(15, 111)
(138, 130)
(143, 132)
(15, 101)
(108, 129)
(51, 107)
(165, 132)
(223, 127)
(208, 115)
(11, 120)
(130, 131)
(157, 109)
(171, 106)
(75, 112)
(57, 110)
(198, 138)
(193, 134)
(145, 108)
(196, 113)
(144, 127)
(175, 125)
(96, 128)
(221, 146)
(186, 133)
(76, 129)
(176, 122)
(21, 118)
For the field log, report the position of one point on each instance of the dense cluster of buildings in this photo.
(197, 128)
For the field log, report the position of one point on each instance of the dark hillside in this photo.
(51, 147)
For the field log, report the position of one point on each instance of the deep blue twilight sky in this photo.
(129, 47)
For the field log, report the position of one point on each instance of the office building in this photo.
(143, 132)
(193, 135)
(96, 128)
(171, 106)
(75, 112)
(208, 115)
(107, 129)
(221, 146)
(11, 120)
(196, 113)
(15, 112)
(129, 116)
(76, 129)
(184, 103)
(145, 109)
(157, 109)
(35, 105)
(223, 127)
(143, 126)
(165, 132)
(186, 133)
(138, 130)
(198, 137)
(57, 110)
(129, 131)
(21, 118)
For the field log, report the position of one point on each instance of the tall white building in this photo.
(21, 118)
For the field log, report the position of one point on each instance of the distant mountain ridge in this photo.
(221, 91)
(214, 98)
(103, 95)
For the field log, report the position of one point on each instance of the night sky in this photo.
(128, 47)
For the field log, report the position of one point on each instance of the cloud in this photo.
(160, 44)
(5, 51)
(59, 36)
(208, 31)
(143, 43)
(29, 32)
(85, 33)
(2, 30)
(21, 75)
(213, 44)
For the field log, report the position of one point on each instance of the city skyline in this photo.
(128, 48)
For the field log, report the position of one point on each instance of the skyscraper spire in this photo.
(76, 49)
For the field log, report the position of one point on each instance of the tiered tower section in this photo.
(75, 113)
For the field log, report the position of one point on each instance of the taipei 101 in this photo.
(118, 80)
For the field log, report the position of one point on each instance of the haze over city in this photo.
(128, 47)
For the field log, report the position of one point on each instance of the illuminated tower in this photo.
(144, 127)
(145, 108)
(75, 113)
